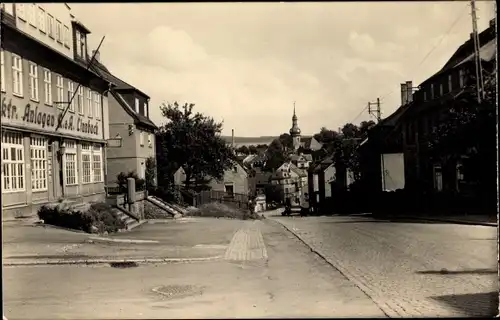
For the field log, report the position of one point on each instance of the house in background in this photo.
(309, 143)
(258, 181)
(321, 176)
(131, 131)
(302, 161)
(235, 180)
(290, 180)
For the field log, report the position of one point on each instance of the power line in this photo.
(425, 57)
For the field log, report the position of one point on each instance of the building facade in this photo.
(51, 149)
(130, 129)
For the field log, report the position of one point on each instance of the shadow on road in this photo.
(460, 272)
(476, 304)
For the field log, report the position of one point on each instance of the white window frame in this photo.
(42, 26)
(90, 104)
(13, 142)
(146, 111)
(70, 163)
(97, 164)
(32, 15)
(17, 75)
(450, 83)
(2, 70)
(47, 81)
(82, 45)
(97, 105)
(87, 173)
(79, 100)
(60, 91)
(51, 26)
(432, 91)
(21, 11)
(33, 84)
(71, 91)
(67, 36)
(137, 105)
(150, 140)
(38, 155)
(461, 77)
(77, 41)
(141, 138)
(58, 31)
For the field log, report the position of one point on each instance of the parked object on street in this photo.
(304, 204)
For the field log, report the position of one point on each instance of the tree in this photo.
(252, 149)
(191, 141)
(243, 150)
(276, 154)
(273, 193)
(150, 178)
(286, 140)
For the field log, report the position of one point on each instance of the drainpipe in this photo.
(105, 149)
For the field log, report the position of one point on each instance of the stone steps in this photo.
(176, 213)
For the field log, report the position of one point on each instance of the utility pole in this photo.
(376, 111)
(477, 57)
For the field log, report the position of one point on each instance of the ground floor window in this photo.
(97, 163)
(38, 153)
(12, 162)
(70, 163)
(86, 163)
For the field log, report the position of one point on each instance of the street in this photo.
(387, 269)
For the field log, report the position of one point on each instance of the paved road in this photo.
(410, 269)
(267, 272)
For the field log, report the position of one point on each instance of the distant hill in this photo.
(247, 141)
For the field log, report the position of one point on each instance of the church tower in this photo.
(295, 131)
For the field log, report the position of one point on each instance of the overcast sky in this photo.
(245, 63)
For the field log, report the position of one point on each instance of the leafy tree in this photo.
(286, 140)
(252, 149)
(192, 141)
(150, 173)
(276, 154)
(273, 193)
(243, 150)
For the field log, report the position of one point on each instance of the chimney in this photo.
(96, 55)
(409, 91)
(404, 95)
(232, 138)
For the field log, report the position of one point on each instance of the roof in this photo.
(117, 82)
(296, 157)
(486, 53)
(139, 118)
(249, 158)
(81, 25)
(299, 172)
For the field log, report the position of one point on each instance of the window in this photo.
(146, 113)
(81, 50)
(97, 105)
(440, 89)
(60, 91)
(47, 80)
(41, 20)
(450, 83)
(32, 14)
(66, 36)
(21, 11)
(89, 103)
(70, 168)
(425, 96)
(38, 152)
(235, 169)
(86, 163)
(150, 140)
(58, 31)
(71, 91)
(461, 75)
(432, 91)
(136, 105)
(33, 75)
(141, 138)
(78, 52)
(12, 162)
(51, 26)
(97, 163)
(17, 75)
(2, 71)
(79, 100)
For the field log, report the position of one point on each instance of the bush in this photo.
(221, 210)
(100, 217)
(121, 180)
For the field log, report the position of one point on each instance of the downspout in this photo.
(105, 149)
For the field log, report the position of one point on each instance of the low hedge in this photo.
(99, 218)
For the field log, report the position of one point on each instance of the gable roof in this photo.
(119, 84)
(138, 118)
(299, 172)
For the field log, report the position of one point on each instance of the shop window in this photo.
(12, 162)
(38, 153)
(97, 163)
(86, 163)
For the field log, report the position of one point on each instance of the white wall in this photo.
(315, 182)
(329, 177)
(393, 171)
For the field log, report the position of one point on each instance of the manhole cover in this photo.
(178, 291)
(123, 265)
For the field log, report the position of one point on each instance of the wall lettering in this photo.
(31, 114)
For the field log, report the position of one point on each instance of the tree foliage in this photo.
(192, 141)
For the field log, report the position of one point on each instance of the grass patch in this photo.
(99, 218)
(221, 210)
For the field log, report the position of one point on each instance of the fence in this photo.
(231, 199)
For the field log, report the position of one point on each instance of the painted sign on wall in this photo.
(46, 118)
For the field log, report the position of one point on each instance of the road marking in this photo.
(247, 244)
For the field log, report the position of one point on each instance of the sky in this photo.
(246, 63)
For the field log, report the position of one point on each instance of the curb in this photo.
(386, 309)
(473, 223)
(107, 261)
(117, 240)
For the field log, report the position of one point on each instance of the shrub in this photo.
(221, 210)
(122, 181)
(100, 217)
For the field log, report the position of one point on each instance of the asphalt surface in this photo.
(266, 272)
(410, 269)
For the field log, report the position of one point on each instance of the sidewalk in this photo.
(188, 240)
(480, 220)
